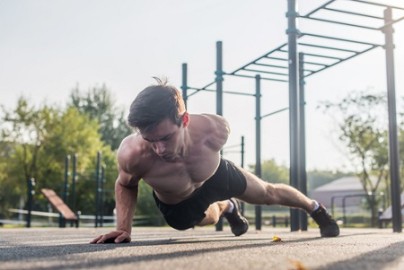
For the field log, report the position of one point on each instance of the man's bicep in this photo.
(219, 132)
(127, 180)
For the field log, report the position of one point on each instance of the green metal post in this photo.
(219, 97)
(184, 85)
(242, 166)
(293, 34)
(74, 180)
(102, 192)
(242, 151)
(302, 142)
(97, 189)
(62, 221)
(393, 142)
(30, 200)
(258, 171)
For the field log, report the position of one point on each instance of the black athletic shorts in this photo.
(227, 182)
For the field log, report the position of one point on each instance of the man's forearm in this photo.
(125, 198)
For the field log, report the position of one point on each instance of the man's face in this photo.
(166, 139)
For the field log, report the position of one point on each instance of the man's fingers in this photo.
(123, 238)
(95, 240)
(102, 239)
(105, 238)
(112, 237)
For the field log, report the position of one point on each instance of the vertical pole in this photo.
(219, 78)
(219, 97)
(62, 222)
(74, 179)
(293, 34)
(242, 166)
(184, 85)
(258, 208)
(242, 152)
(97, 189)
(66, 179)
(344, 220)
(393, 144)
(302, 142)
(332, 205)
(102, 181)
(30, 200)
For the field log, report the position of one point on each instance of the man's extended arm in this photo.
(125, 201)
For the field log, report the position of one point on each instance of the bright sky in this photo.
(48, 47)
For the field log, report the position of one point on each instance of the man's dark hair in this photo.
(154, 104)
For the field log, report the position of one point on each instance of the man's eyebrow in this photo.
(159, 139)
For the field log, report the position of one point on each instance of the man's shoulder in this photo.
(129, 144)
(209, 120)
(213, 128)
(130, 152)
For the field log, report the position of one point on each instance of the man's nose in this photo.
(159, 148)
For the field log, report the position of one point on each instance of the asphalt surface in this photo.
(201, 248)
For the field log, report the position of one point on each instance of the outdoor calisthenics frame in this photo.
(314, 58)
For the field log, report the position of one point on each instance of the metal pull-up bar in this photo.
(287, 56)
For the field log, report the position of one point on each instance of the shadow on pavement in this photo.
(62, 253)
(377, 259)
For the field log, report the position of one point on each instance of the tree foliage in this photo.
(362, 126)
(98, 104)
(36, 140)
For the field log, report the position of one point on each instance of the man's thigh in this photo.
(257, 191)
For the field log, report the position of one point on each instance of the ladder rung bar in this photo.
(276, 58)
(391, 23)
(259, 58)
(309, 70)
(315, 63)
(327, 47)
(322, 56)
(268, 65)
(262, 78)
(341, 23)
(265, 72)
(320, 7)
(377, 4)
(354, 13)
(340, 39)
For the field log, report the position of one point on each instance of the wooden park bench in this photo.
(60, 206)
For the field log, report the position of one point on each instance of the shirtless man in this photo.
(178, 155)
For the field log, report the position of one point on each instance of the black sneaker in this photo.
(328, 226)
(238, 223)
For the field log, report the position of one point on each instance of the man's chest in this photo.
(172, 176)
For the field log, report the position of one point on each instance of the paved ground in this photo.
(202, 248)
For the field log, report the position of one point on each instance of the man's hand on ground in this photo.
(112, 237)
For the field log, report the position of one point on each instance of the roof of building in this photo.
(342, 184)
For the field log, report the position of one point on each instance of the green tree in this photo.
(99, 104)
(362, 128)
(77, 134)
(36, 141)
(401, 147)
(22, 136)
(275, 173)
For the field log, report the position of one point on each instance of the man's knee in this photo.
(212, 215)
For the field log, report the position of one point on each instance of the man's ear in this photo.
(185, 119)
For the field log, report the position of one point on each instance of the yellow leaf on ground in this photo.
(276, 239)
